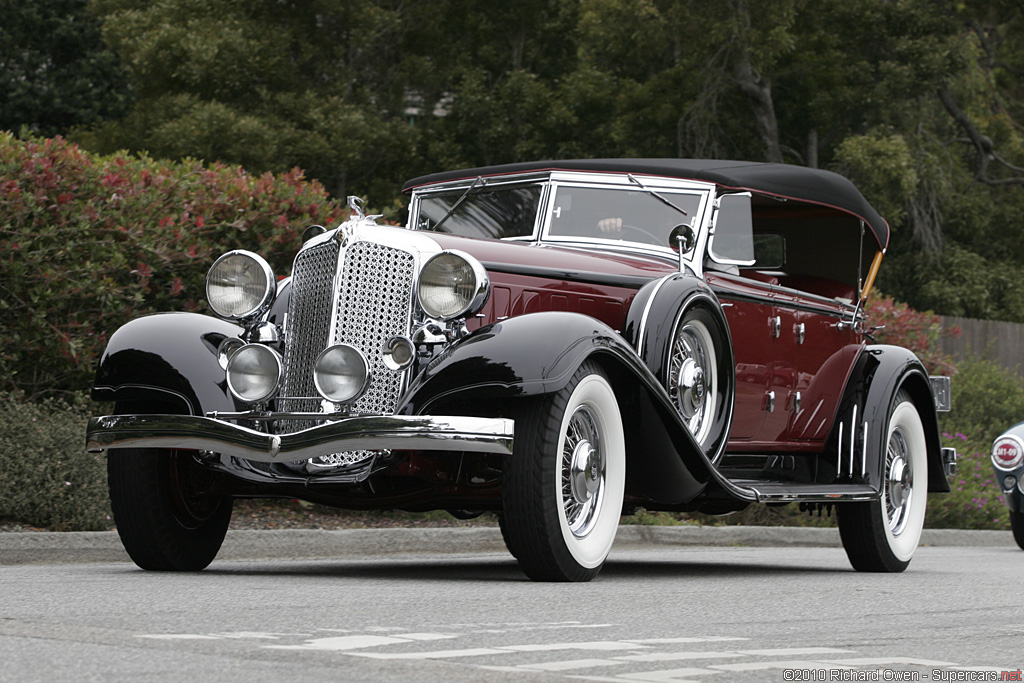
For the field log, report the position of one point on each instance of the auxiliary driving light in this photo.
(399, 353)
(253, 372)
(341, 373)
(1009, 482)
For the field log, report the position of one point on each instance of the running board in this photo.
(790, 492)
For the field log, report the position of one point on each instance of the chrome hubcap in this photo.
(692, 388)
(583, 472)
(691, 378)
(899, 482)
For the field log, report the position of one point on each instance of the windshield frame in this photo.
(492, 184)
(549, 181)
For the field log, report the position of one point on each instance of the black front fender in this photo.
(168, 358)
(538, 353)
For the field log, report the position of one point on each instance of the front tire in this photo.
(167, 518)
(882, 535)
(1017, 525)
(563, 486)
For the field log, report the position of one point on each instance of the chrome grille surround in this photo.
(356, 287)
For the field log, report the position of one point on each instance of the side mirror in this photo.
(682, 238)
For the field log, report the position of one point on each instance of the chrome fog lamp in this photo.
(452, 285)
(341, 373)
(254, 372)
(1009, 482)
(240, 286)
(399, 353)
(1007, 452)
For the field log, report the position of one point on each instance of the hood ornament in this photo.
(347, 230)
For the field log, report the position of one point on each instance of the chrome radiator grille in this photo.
(374, 300)
(309, 326)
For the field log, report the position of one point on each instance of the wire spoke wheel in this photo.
(699, 378)
(583, 472)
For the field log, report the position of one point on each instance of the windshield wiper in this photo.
(655, 194)
(479, 180)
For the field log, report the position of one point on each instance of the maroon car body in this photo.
(558, 342)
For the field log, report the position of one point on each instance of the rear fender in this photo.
(879, 374)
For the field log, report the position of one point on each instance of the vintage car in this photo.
(1008, 461)
(558, 342)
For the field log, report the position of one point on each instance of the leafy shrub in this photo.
(89, 243)
(901, 325)
(975, 501)
(987, 400)
(46, 478)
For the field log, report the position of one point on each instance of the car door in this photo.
(815, 348)
(749, 310)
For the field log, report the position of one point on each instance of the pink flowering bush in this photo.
(901, 325)
(975, 501)
(91, 242)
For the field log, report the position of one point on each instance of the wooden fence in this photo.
(994, 340)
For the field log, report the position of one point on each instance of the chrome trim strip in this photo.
(647, 311)
(864, 452)
(839, 451)
(398, 432)
(853, 437)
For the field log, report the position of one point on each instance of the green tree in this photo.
(269, 84)
(55, 72)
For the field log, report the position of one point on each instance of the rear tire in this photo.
(563, 487)
(167, 518)
(881, 535)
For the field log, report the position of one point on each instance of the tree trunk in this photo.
(756, 87)
(759, 90)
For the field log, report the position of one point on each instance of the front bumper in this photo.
(393, 432)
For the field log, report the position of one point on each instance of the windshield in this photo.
(632, 215)
(493, 213)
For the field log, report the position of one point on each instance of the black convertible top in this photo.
(785, 181)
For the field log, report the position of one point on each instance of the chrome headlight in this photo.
(240, 286)
(341, 373)
(254, 372)
(452, 285)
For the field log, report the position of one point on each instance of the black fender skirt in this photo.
(538, 353)
(169, 359)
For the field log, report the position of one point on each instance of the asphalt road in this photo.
(451, 605)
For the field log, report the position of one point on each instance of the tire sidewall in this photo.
(591, 550)
(906, 419)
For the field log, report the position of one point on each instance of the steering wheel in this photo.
(651, 237)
